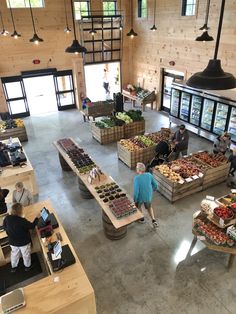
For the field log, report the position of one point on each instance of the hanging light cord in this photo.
(32, 16)
(207, 11)
(131, 13)
(219, 29)
(73, 19)
(155, 3)
(66, 13)
(11, 15)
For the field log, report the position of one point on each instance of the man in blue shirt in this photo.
(144, 184)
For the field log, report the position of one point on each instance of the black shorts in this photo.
(146, 205)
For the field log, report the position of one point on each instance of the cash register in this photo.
(47, 222)
(60, 256)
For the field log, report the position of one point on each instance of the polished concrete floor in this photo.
(146, 272)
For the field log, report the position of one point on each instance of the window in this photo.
(188, 7)
(81, 9)
(109, 7)
(142, 8)
(25, 3)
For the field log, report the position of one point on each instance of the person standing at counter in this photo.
(22, 195)
(3, 205)
(180, 139)
(144, 184)
(17, 229)
(222, 143)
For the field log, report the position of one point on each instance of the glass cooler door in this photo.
(232, 124)
(207, 114)
(174, 107)
(220, 118)
(185, 106)
(195, 110)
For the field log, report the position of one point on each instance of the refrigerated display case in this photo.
(175, 97)
(207, 114)
(195, 113)
(232, 124)
(220, 118)
(185, 106)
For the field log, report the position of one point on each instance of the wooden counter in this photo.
(67, 291)
(149, 99)
(10, 175)
(117, 223)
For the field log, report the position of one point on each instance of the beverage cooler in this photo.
(206, 112)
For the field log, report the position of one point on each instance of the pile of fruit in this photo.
(122, 207)
(81, 160)
(214, 160)
(212, 233)
(11, 124)
(228, 199)
(169, 173)
(224, 212)
(184, 168)
(201, 166)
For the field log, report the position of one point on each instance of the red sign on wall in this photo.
(36, 61)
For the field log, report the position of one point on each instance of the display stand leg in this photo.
(110, 231)
(64, 164)
(84, 192)
(230, 262)
(192, 246)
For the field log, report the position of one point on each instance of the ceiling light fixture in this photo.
(14, 34)
(4, 32)
(154, 28)
(35, 39)
(75, 48)
(205, 36)
(131, 33)
(67, 29)
(92, 31)
(121, 25)
(214, 77)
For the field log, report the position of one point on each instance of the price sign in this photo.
(200, 175)
(210, 198)
(181, 181)
(201, 238)
(221, 222)
(188, 180)
(195, 177)
(233, 191)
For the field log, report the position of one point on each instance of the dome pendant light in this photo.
(35, 39)
(75, 48)
(154, 28)
(213, 77)
(92, 31)
(4, 32)
(205, 36)
(14, 34)
(131, 33)
(67, 30)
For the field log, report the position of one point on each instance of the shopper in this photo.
(144, 184)
(17, 229)
(3, 205)
(232, 160)
(222, 143)
(22, 195)
(180, 140)
(106, 82)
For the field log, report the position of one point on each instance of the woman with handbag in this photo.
(22, 195)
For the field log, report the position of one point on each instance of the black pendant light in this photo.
(14, 34)
(4, 32)
(131, 33)
(154, 28)
(67, 29)
(205, 36)
(213, 77)
(75, 47)
(35, 39)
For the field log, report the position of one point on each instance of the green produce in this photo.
(135, 115)
(123, 116)
(146, 140)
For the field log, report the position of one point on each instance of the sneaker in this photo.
(141, 220)
(13, 269)
(155, 223)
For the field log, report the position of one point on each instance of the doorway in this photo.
(102, 80)
(40, 93)
(168, 77)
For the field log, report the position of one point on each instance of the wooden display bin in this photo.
(174, 191)
(134, 128)
(107, 135)
(130, 158)
(98, 109)
(14, 132)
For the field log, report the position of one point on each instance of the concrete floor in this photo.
(146, 272)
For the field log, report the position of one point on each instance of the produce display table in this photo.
(115, 224)
(150, 98)
(197, 175)
(68, 291)
(10, 175)
(13, 128)
(98, 109)
(107, 135)
(218, 236)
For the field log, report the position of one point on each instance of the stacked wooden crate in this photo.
(14, 132)
(134, 128)
(107, 135)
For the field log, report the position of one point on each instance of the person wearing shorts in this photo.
(144, 184)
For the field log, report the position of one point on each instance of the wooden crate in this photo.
(105, 136)
(174, 191)
(130, 158)
(134, 128)
(14, 132)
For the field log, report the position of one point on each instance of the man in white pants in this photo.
(17, 229)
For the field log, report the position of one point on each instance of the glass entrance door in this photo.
(64, 87)
(15, 95)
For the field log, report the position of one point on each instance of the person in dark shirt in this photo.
(3, 205)
(17, 229)
(180, 139)
(232, 160)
